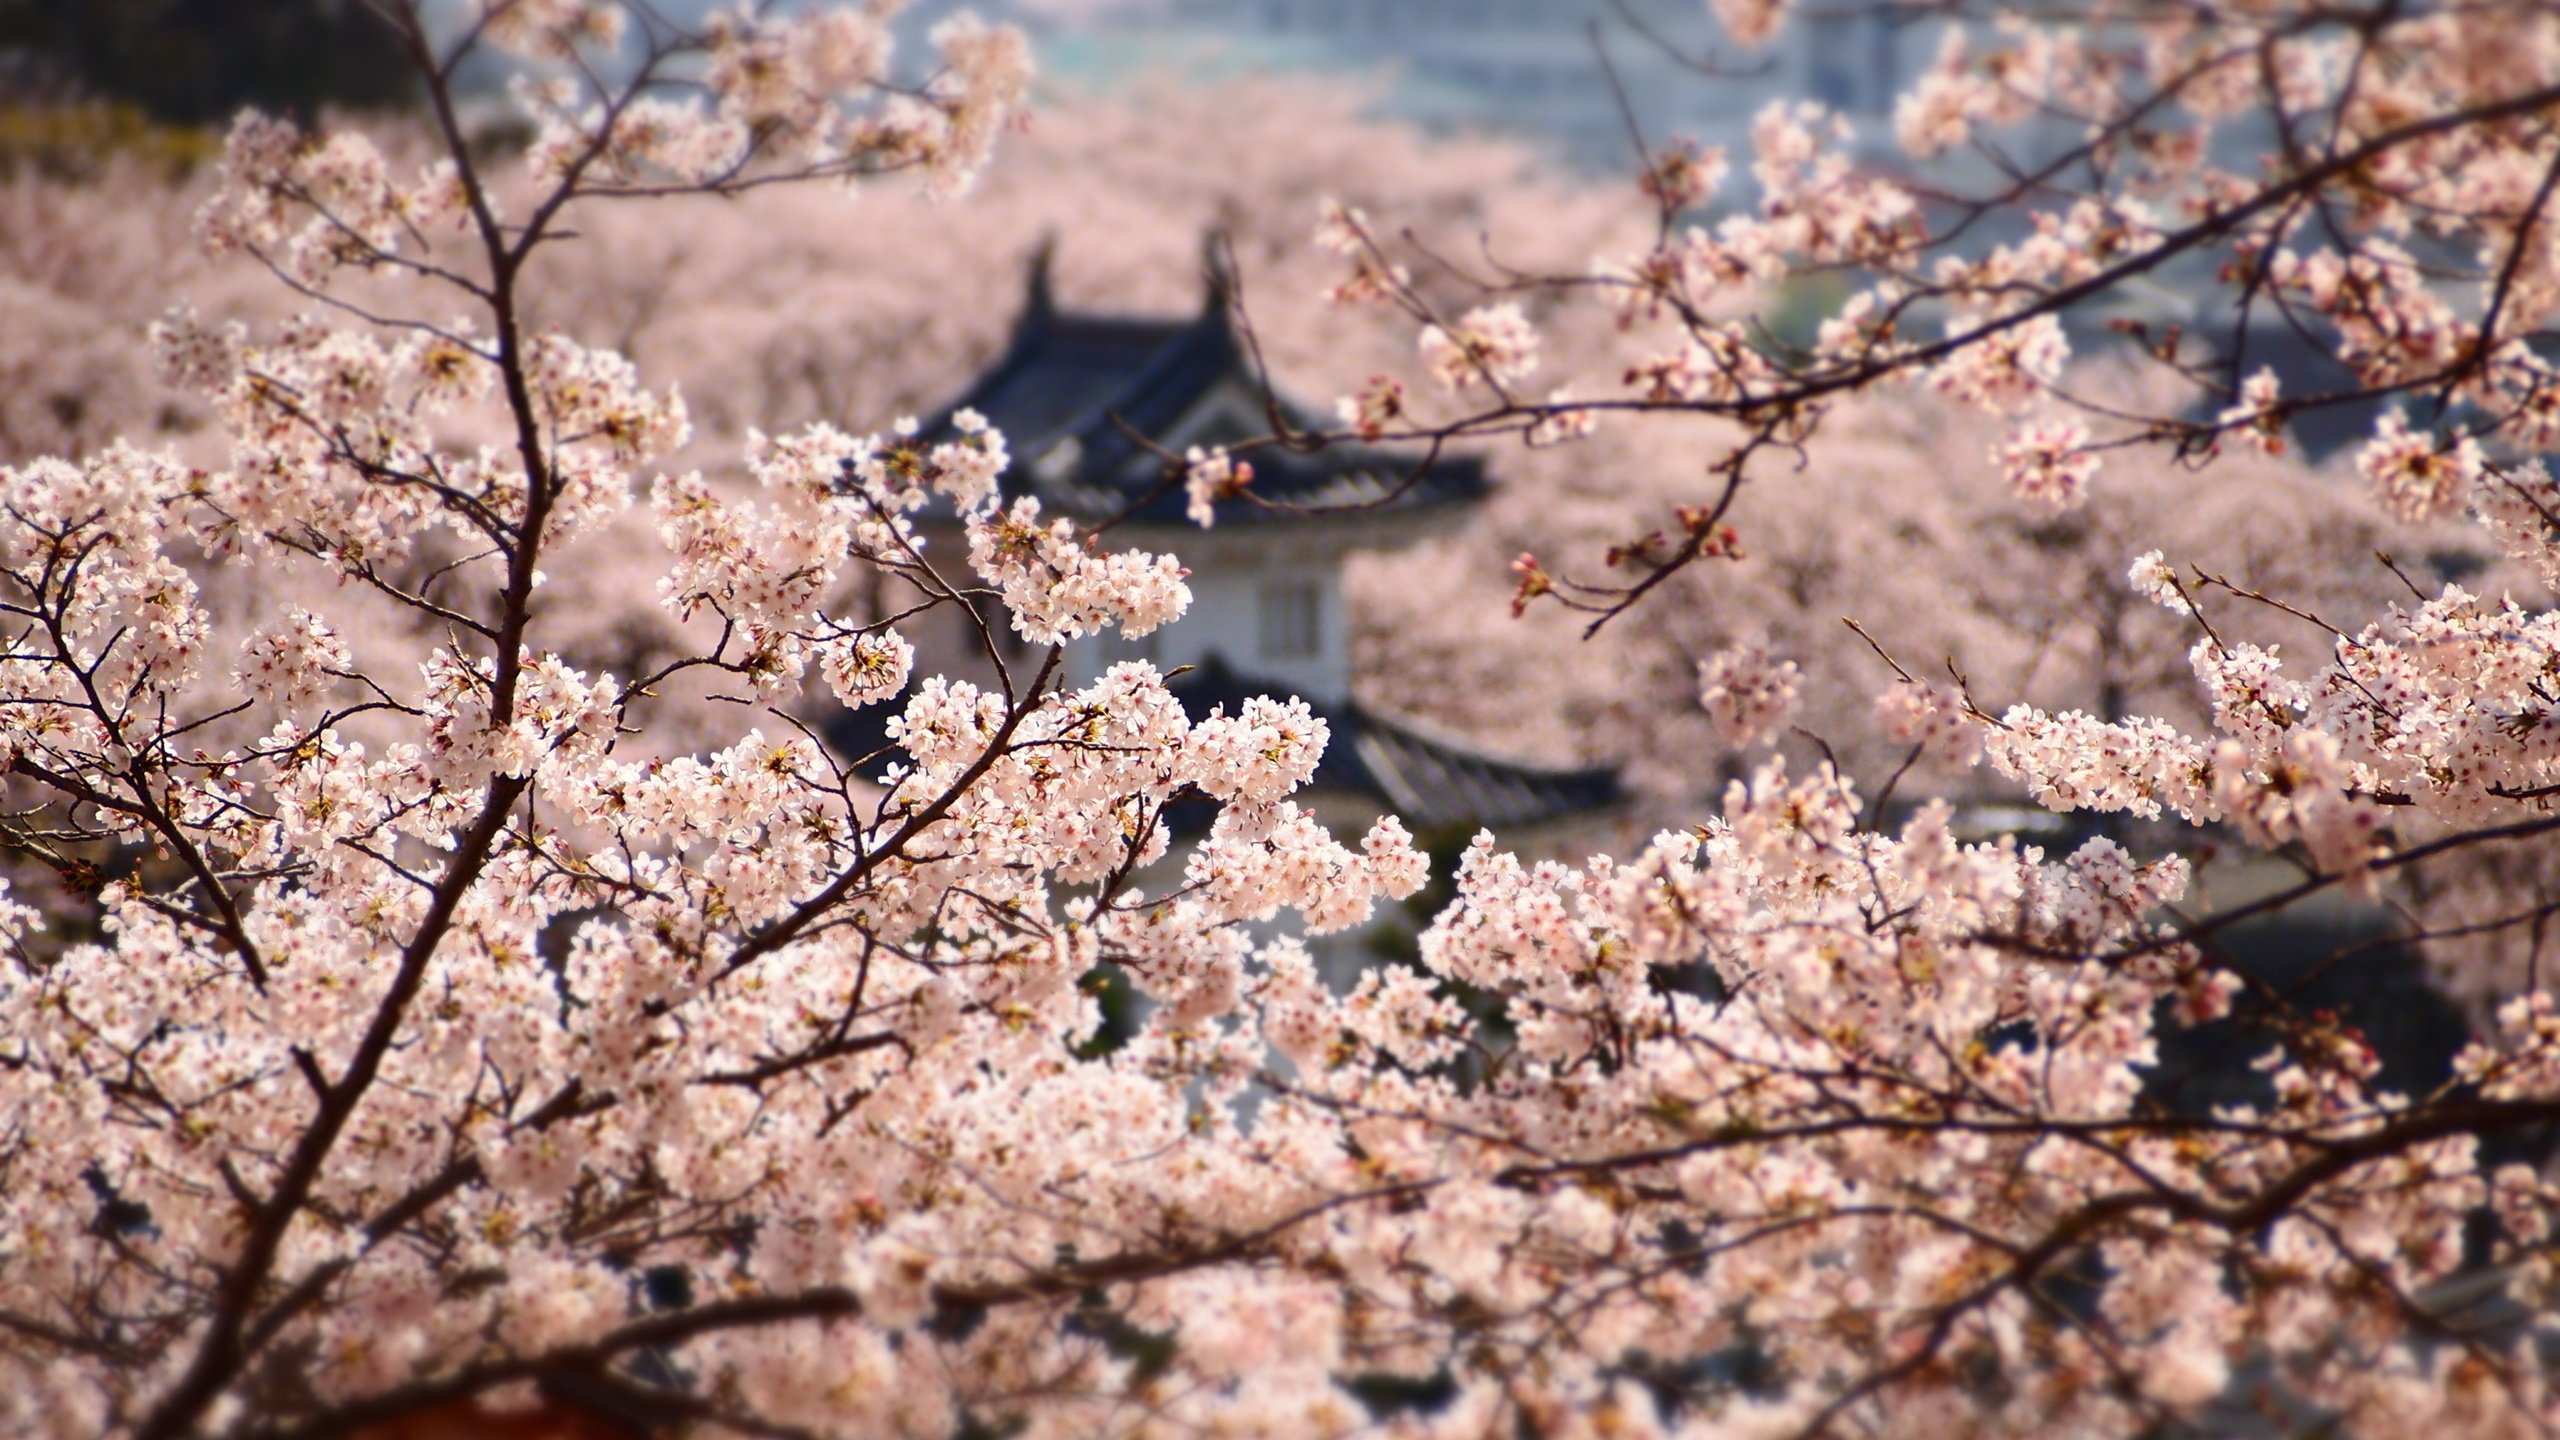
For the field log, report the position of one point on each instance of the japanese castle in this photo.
(1073, 395)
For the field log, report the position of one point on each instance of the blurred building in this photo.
(1544, 68)
(1092, 406)
(1539, 70)
(1573, 76)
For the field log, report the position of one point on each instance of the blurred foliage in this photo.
(197, 62)
(80, 142)
(1803, 303)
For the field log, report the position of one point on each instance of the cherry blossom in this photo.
(1208, 477)
(1747, 692)
(2048, 464)
(1493, 345)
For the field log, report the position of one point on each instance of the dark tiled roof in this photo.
(1434, 784)
(1089, 380)
(1431, 782)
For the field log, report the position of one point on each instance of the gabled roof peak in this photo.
(1040, 310)
(1217, 267)
(1092, 403)
(1041, 301)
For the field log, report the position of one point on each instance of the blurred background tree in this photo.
(195, 62)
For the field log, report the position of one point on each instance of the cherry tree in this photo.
(2364, 187)
(1928, 559)
(777, 306)
(410, 1037)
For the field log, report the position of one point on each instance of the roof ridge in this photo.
(1445, 739)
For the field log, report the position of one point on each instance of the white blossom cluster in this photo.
(1748, 693)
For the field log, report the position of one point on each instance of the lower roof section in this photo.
(1433, 783)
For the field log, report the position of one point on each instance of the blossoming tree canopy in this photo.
(415, 1040)
(2278, 218)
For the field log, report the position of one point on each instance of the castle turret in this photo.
(1092, 405)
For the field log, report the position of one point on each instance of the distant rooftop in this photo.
(1431, 782)
(1074, 393)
